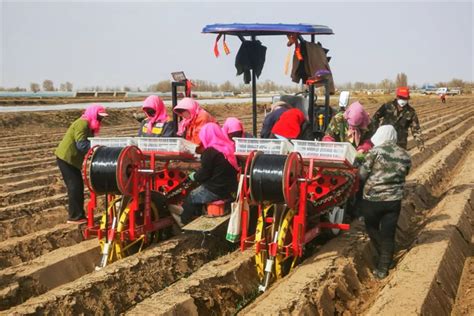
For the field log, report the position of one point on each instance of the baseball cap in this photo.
(403, 92)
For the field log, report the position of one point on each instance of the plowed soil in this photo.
(46, 266)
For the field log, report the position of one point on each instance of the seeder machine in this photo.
(139, 178)
(299, 191)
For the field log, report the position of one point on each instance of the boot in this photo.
(385, 260)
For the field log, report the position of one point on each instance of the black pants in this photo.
(381, 223)
(194, 202)
(75, 189)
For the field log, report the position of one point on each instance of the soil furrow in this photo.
(44, 273)
(20, 249)
(120, 285)
(27, 224)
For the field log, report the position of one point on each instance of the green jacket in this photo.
(384, 170)
(67, 149)
(401, 120)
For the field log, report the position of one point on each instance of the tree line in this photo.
(227, 86)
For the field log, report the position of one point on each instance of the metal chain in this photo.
(341, 194)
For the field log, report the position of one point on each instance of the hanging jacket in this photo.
(314, 59)
(251, 55)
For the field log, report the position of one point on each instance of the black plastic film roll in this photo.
(266, 179)
(103, 170)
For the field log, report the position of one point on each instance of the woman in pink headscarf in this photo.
(193, 118)
(218, 173)
(70, 154)
(233, 127)
(351, 126)
(157, 122)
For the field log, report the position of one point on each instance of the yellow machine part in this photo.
(121, 249)
(285, 235)
(261, 257)
(283, 265)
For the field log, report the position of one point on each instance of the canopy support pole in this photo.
(254, 99)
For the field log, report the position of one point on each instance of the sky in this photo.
(115, 43)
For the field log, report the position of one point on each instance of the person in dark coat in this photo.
(292, 124)
(277, 109)
(217, 176)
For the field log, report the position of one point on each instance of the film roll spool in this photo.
(273, 178)
(111, 169)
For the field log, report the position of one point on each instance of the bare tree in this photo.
(227, 86)
(35, 87)
(161, 86)
(402, 80)
(48, 85)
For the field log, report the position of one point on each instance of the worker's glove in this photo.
(360, 157)
(191, 175)
(421, 148)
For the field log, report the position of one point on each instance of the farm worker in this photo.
(70, 154)
(402, 116)
(351, 126)
(442, 97)
(157, 122)
(271, 118)
(233, 127)
(384, 171)
(193, 119)
(292, 124)
(218, 173)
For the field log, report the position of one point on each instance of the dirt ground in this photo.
(193, 274)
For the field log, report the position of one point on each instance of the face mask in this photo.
(402, 102)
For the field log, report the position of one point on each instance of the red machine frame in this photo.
(314, 185)
(143, 179)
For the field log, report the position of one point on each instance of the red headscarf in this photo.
(155, 103)
(211, 135)
(289, 124)
(90, 115)
(190, 105)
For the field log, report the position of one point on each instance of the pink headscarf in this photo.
(154, 102)
(231, 125)
(90, 115)
(358, 119)
(211, 135)
(190, 105)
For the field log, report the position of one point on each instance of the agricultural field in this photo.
(46, 266)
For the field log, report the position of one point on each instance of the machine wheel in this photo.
(120, 249)
(283, 265)
(261, 234)
(336, 216)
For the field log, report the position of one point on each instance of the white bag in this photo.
(234, 228)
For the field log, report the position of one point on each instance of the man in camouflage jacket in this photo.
(402, 116)
(384, 170)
